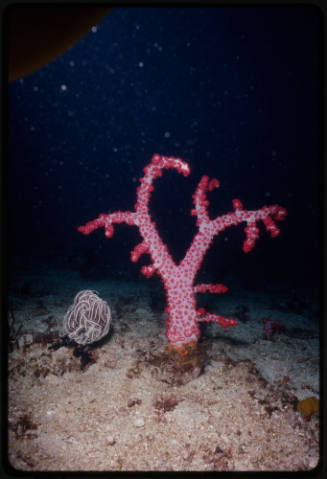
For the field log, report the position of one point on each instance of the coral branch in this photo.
(212, 288)
(224, 322)
(200, 199)
(106, 221)
(140, 249)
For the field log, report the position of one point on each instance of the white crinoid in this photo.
(88, 318)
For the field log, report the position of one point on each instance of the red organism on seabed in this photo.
(178, 279)
(270, 327)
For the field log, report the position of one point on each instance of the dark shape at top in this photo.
(38, 34)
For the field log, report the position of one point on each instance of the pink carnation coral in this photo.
(178, 279)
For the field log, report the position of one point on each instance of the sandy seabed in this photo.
(122, 414)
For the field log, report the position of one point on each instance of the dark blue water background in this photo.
(235, 92)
